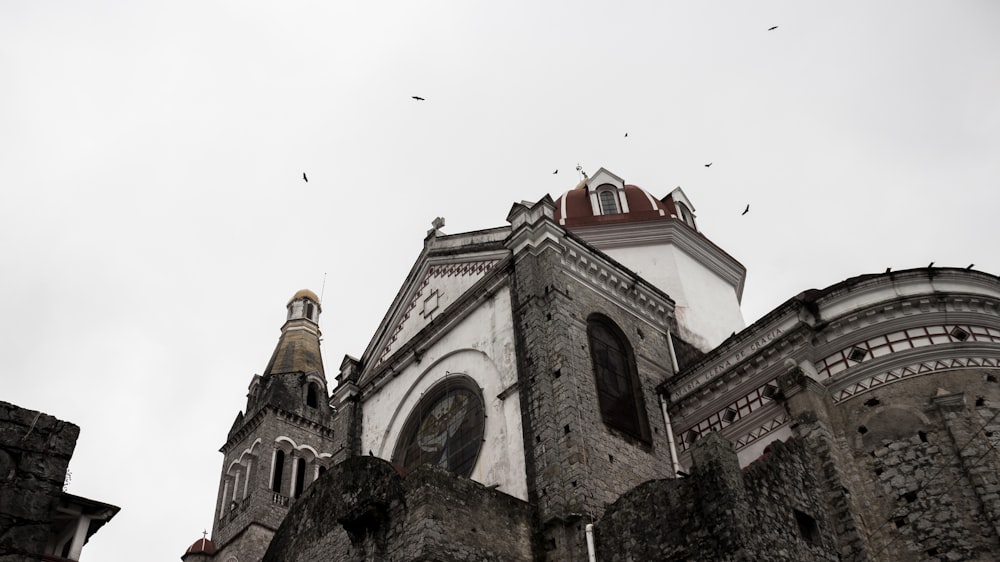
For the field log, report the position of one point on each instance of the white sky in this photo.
(153, 219)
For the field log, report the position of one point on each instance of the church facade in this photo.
(580, 384)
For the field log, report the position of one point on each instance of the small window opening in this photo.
(807, 527)
(959, 334)
(910, 497)
(878, 472)
(309, 310)
(279, 468)
(566, 428)
(991, 378)
(923, 436)
(770, 391)
(899, 521)
(312, 400)
(609, 202)
(980, 401)
(300, 476)
(862, 430)
(857, 354)
(557, 373)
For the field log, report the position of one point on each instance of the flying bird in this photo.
(418, 98)
(626, 134)
(745, 211)
(709, 165)
(556, 172)
(772, 28)
(304, 178)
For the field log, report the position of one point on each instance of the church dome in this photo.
(201, 546)
(606, 199)
(305, 293)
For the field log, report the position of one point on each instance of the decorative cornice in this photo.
(258, 418)
(674, 232)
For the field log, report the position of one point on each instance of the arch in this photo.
(445, 428)
(619, 393)
(402, 405)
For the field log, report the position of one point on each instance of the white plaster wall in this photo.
(707, 309)
(448, 287)
(481, 346)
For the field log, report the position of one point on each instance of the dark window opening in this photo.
(279, 469)
(309, 310)
(807, 527)
(862, 430)
(609, 202)
(312, 400)
(857, 354)
(618, 391)
(910, 497)
(959, 334)
(300, 477)
(923, 436)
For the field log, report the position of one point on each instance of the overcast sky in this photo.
(154, 220)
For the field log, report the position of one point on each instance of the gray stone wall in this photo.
(35, 450)
(576, 464)
(364, 510)
(926, 449)
(772, 511)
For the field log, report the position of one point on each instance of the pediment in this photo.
(441, 276)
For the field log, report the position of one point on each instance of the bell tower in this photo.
(282, 441)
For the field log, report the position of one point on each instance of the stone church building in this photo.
(579, 384)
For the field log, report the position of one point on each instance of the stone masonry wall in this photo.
(362, 509)
(35, 450)
(929, 455)
(576, 464)
(774, 510)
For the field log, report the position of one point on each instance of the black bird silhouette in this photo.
(304, 177)
(772, 28)
(370, 453)
(709, 165)
(418, 98)
(745, 211)
(626, 134)
(556, 172)
(930, 265)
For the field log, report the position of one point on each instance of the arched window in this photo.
(444, 429)
(300, 476)
(312, 399)
(618, 391)
(686, 215)
(309, 310)
(278, 471)
(609, 202)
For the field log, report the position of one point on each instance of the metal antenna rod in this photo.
(323, 288)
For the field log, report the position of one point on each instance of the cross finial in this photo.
(204, 534)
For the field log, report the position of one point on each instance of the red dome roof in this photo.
(576, 207)
(201, 546)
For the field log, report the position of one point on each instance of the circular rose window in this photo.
(445, 429)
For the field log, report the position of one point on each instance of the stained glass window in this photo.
(617, 382)
(445, 429)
